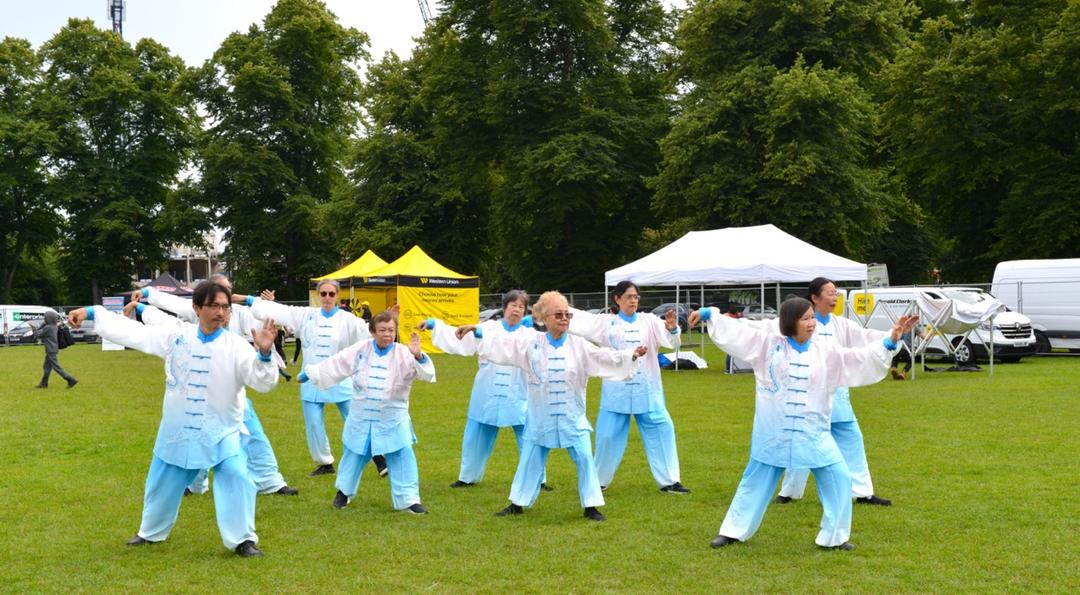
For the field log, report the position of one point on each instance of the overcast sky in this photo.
(195, 28)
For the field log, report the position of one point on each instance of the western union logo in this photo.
(423, 280)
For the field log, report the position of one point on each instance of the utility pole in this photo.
(425, 11)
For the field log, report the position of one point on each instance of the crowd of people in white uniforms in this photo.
(530, 380)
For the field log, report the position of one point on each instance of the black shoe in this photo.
(847, 546)
(248, 549)
(380, 464)
(42, 386)
(873, 499)
(675, 488)
(287, 491)
(288, 377)
(783, 499)
(138, 540)
(545, 487)
(511, 510)
(603, 488)
(722, 540)
(417, 508)
(340, 500)
(188, 492)
(327, 469)
(461, 484)
(72, 383)
(594, 515)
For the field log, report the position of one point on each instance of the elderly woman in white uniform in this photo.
(844, 426)
(557, 367)
(640, 397)
(796, 378)
(381, 373)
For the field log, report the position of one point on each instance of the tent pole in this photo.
(777, 301)
(701, 305)
(677, 321)
(762, 304)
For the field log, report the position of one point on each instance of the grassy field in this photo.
(984, 474)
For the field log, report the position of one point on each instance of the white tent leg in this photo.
(676, 322)
(702, 305)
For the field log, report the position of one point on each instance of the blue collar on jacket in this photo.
(630, 318)
(214, 335)
(382, 351)
(330, 313)
(826, 319)
(800, 347)
(556, 343)
(509, 328)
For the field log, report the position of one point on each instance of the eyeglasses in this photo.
(328, 293)
(217, 307)
(562, 315)
(632, 298)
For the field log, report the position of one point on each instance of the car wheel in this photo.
(964, 351)
(1042, 343)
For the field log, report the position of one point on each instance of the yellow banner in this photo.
(452, 306)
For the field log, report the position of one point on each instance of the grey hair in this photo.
(333, 282)
(515, 295)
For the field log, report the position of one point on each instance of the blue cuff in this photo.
(706, 313)
(479, 334)
(146, 292)
(303, 377)
(249, 301)
(889, 343)
(423, 359)
(263, 358)
(527, 320)
(139, 307)
(676, 330)
(90, 313)
(429, 324)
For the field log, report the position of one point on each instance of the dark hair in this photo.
(515, 295)
(790, 312)
(384, 316)
(206, 292)
(817, 286)
(621, 288)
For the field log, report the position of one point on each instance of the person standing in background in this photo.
(47, 334)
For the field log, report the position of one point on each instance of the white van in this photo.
(1012, 333)
(1047, 292)
(18, 323)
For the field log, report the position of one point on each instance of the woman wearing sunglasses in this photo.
(325, 331)
(557, 367)
(640, 397)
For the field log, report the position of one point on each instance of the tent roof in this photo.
(167, 283)
(416, 263)
(367, 263)
(737, 255)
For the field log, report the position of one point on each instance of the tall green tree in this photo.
(777, 123)
(29, 222)
(124, 132)
(983, 119)
(281, 102)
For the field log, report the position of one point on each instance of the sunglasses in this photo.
(562, 315)
(328, 293)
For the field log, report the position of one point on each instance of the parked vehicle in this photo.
(682, 312)
(1047, 292)
(22, 321)
(1012, 334)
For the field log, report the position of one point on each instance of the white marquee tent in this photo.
(758, 255)
(737, 256)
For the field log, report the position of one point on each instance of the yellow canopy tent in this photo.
(424, 288)
(348, 276)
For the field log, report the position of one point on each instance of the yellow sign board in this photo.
(862, 303)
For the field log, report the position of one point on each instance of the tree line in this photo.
(540, 143)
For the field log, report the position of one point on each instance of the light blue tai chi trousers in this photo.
(234, 500)
(315, 426)
(849, 438)
(657, 436)
(261, 461)
(532, 463)
(755, 491)
(404, 476)
(477, 445)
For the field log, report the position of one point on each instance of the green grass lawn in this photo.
(984, 474)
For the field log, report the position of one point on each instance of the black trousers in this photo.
(51, 363)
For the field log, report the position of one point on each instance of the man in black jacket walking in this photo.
(47, 334)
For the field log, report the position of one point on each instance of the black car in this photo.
(682, 312)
